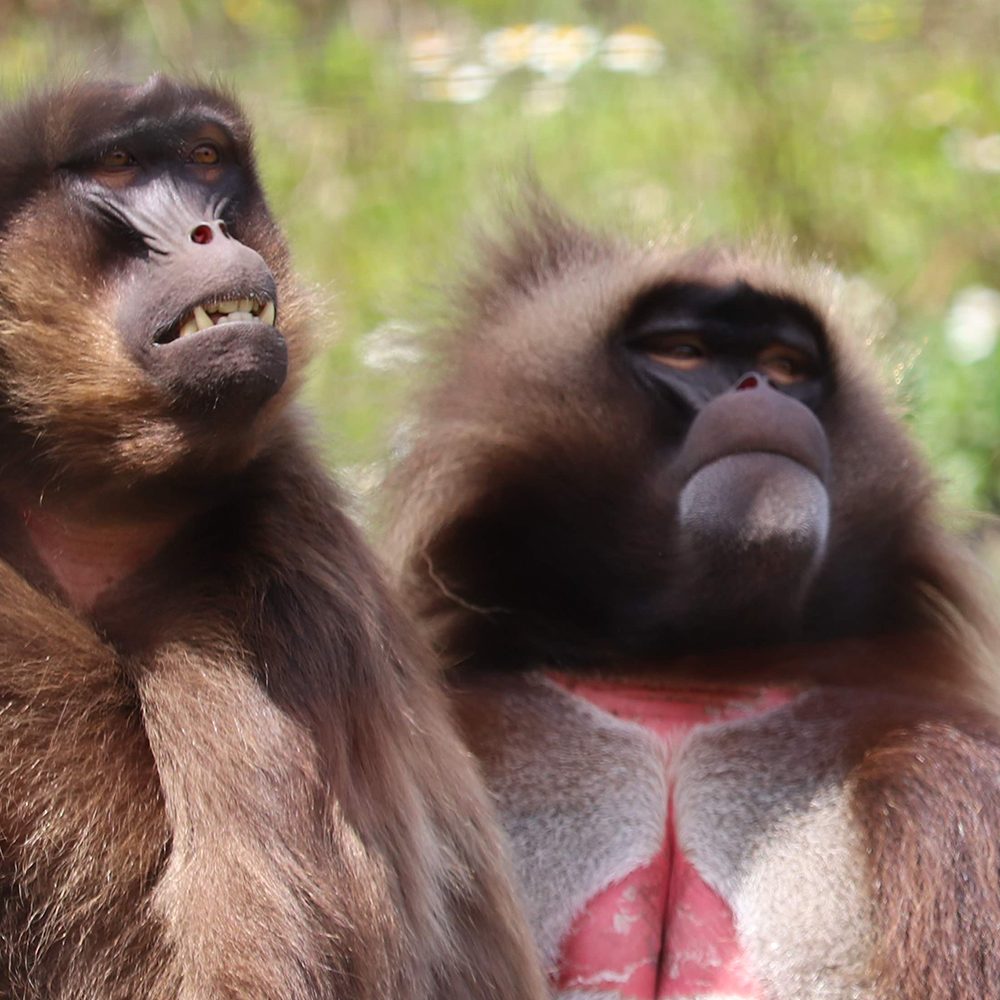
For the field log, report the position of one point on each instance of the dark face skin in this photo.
(736, 379)
(197, 307)
(683, 503)
(696, 341)
(150, 328)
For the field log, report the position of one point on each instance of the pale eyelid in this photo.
(679, 362)
(801, 366)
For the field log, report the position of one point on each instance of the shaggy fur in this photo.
(528, 530)
(226, 774)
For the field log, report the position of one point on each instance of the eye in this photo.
(682, 351)
(205, 154)
(785, 365)
(116, 159)
(114, 168)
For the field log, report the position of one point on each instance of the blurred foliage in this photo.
(868, 132)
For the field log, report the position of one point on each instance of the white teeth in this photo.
(227, 311)
(202, 318)
(236, 317)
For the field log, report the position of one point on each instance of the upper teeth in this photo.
(227, 311)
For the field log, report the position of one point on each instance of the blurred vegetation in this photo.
(869, 132)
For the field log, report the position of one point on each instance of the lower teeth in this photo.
(220, 319)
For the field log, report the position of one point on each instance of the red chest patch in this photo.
(662, 933)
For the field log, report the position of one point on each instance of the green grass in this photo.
(861, 130)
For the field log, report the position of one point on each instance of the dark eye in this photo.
(785, 365)
(205, 154)
(681, 351)
(116, 159)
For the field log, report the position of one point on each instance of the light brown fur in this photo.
(528, 529)
(225, 770)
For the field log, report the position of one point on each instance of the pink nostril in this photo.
(747, 382)
(202, 234)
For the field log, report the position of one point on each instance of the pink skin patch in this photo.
(85, 559)
(661, 933)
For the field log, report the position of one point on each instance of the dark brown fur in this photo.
(525, 530)
(226, 774)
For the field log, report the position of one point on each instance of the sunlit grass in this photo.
(867, 132)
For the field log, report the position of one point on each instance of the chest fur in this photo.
(722, 827)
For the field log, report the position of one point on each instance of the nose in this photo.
(205, 232)
(753, 416)
(750, 381)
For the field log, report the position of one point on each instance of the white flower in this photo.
(470, 82)
(988, 153)
(560, 50)
(979, 153)
(391, 346)
(465, 84)
(508, 48)
(632, 49)
(973, 323)
(431, 52)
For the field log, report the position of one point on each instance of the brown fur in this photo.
(527, 507)
(228, 773)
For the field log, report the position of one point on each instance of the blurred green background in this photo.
(869, 132)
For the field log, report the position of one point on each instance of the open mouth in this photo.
(219, 313)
